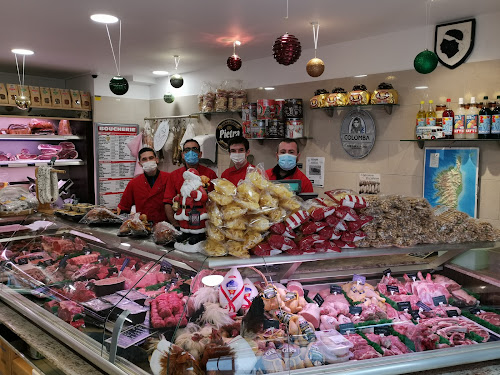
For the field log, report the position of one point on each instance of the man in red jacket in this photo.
(239, 149)
(191, 155)
(146, 191)
(288, 154)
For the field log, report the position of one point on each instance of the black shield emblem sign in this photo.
(454, 41)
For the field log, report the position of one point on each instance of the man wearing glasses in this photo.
(191, 155)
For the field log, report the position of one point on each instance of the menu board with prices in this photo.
(115, 165)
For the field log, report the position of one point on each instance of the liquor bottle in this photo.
(420, 118)
(430, 116)
(448, 116)
(439, 114)
(484, 123)
(459, 123)
(495, 118)
(471, 119)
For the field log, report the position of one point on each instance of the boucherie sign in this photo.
(227, 129)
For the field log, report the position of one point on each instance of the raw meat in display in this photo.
(490, 317)
(18, 129)
(462, 295)
(68, 309)
(49, 149)
(87, 271)
(25, 155)
(68, 154)
(84, 259)
(295, 286)
(361, 349)
(4, 156)
(64, 128)
(47, 156)
(167, 310)
(311, 313)
(391, 345)
(389, 280)
(41, 127)
(425, 289)
(446, 282)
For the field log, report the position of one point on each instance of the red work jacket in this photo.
(235, 175)
(306, 185)
(148, 200)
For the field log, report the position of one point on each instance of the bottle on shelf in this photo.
(459, 123)
(430, 116)
(439, 114)
(471, 119)
(484, 122)
(421, 115)
(495, 118)
(447, 121)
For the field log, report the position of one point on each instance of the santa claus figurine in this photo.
(191, 212)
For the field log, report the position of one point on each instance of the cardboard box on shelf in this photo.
(45, 97)
(56, 98)
(66, 98)
(4, 99)
(12, 91)
(76, 100)
(36, 100)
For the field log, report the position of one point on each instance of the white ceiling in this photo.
(67, 43)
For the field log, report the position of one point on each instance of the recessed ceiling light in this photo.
(212, 280)
(268, 88)
(360, 75)
(421, 87)
(103, 18)
(21, 51)
(160, 72)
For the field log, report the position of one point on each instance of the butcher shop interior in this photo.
(205, 188)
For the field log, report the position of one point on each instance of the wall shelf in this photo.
(47, 113)
(447, 142)
(34, 137)
(330, 110)
(208, 115)
(34, 163)
(261, 140)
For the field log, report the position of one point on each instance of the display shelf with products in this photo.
(33, 163)
(99, 248)
(330, 110)
(448, 142)
(208, 115)
(36, 137)
(262, 140)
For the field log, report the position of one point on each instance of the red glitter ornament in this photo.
(287, 49)
(234, 62)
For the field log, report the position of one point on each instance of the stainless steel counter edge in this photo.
(65, 333)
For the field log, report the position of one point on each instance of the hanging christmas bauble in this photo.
(168, 98)
(176, 80)
(425, 62)
(118, 85)
(315, 67)
(286, 49)
(234, 62)
(23, 102)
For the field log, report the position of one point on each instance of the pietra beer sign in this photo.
(227, 129)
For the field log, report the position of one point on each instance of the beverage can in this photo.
(259, 128)
(279, 109)
(275, 129)
(293, 109)
(248, 112)
(294, 128)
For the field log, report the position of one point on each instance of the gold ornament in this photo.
(315, 67)
(23, 102)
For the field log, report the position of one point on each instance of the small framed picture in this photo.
(454, 41)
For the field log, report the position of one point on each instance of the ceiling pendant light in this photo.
(286, 48)
(23, 101)
(118, 84)
(426, 61)
(315, 67)
(176, 80)
(234, 61)
(168, 97)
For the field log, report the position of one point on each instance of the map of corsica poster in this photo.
(451, 178)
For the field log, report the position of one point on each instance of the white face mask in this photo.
(238, 158)
(149, 166)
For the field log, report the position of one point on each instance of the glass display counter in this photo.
(129, 306)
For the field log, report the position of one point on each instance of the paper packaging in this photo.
(12, 91)
(45, 97)
(85, 97)
(66, 98)
(76, 101)
(24, 91)
(4, 99)
(36, 100)
(56, 98)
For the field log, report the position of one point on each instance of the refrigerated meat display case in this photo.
(119, 302)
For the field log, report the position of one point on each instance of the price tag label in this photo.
(87, 251)
(346, 328)
(414, 314)
(63, 261)
(387, 272)
(117, 255)
(412, 276)
(474, 310)
(392, 288)
(359, 279)
(100, 258)
(382, 330)
(306, 293)
(165, 267)
(174, 280)
(271, 323)
(335, 289)
(318, 299)
(22, 261)
(406, 305)
(355, 310)
(451, 313)
(439, 299)
(423, 306)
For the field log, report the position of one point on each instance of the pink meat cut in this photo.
(49, 149)
(295, 286)
(462, 295)
(491, 318)
(425, 289)
(311, 313)
(68, 309)
(68, 154)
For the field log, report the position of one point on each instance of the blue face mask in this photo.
(287, 161)
(191, 158)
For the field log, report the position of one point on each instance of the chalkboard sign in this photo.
(335, 289)
(318, 299)
(439, 299)
(392, 288)
(402, 306)
(347, 327)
